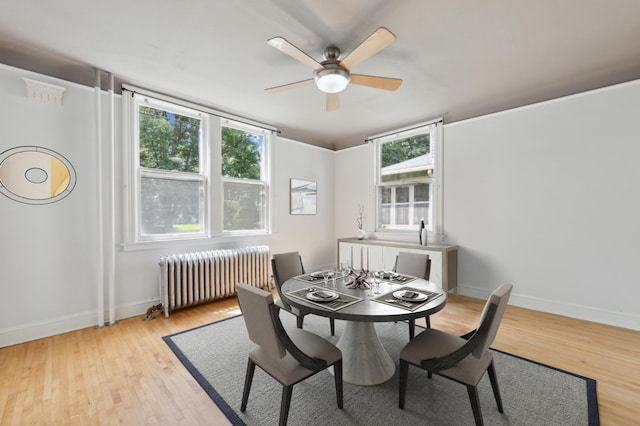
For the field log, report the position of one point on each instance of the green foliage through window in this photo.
(169, 141)
(244, 201)
(177, 193)
(404, 149)
(241, 154)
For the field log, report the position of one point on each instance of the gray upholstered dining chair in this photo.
(416, 265)
(285, 266)
(463, 359)
(287, 356)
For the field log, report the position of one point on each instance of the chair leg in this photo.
(251, 368)
(412, 329)
(404, 376)
(475, 404)
(332, 324)
(285, 403)
(337, 372)
(299, 320)
(494, 386)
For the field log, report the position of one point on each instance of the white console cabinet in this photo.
(380, 254)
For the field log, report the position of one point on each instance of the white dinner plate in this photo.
(322, 296)
(410, 296)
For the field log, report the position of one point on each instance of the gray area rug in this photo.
(532, 393)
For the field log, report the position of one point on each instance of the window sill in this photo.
(207, 243)
(403, 236)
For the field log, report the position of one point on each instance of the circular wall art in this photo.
(35, 175)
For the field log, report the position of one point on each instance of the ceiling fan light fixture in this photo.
(331, 80)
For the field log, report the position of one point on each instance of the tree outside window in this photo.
(244, 180)
(171, 179)
(176, 196)
(405, 176)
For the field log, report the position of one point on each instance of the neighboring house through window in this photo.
(407, 180)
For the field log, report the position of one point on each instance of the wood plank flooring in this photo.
(126, 374)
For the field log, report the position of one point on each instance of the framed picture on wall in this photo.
(303, 196)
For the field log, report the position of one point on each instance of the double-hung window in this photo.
(171, 171)
(193, 174)
(407, 181)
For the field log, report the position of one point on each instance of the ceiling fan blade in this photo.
(285, 47)
(284, 87)
(377, 41)
(333, 101)
(385, 83)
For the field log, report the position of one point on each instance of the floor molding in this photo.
(587, 313)
(64, 324)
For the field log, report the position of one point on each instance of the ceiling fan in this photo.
(333, 75)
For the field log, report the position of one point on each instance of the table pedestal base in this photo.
(364, 359)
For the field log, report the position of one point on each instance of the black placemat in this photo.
(389, 299)
(342, 301)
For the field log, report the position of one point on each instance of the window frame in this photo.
(436, 227)
(141, 172)
(211, 160)
(263, 181)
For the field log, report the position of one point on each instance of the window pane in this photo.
(169, 141)
(244, 206)
(402, 194)
(170, 206)
(421, 192)
(384, 208)
(241, 154)
(385, 195)
(421, 204)
(405, 178)
(408, 158)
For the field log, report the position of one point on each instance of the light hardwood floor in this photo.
(126, 374)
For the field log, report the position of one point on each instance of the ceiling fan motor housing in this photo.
(332, 77)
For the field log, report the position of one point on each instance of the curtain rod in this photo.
(428, 123)
(204, 109)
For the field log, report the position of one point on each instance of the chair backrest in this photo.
(254, 304)
(285, 266)
(499, 297)
(414, 264)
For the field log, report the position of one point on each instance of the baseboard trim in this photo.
(587, 313)
(41, 329)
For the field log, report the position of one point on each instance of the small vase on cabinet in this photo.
(360, 234)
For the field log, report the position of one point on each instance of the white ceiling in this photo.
(458, 58)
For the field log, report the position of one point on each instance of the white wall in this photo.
(49, 254)
(47, 251)
(543, 197)
(352, 188)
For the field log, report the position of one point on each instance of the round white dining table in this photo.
(365, 360)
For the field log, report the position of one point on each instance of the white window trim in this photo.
(214, 120)
(203, 177)
(437, 232)
(265, 179)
